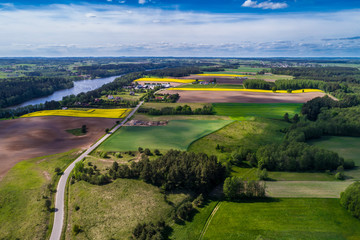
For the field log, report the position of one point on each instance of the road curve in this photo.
(60, 191)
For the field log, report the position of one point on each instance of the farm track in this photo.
(60, 191)
(208, 221)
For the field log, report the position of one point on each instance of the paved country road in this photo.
(60, 191)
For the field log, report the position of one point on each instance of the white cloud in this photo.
(90, 15)
(142, 1)
(264, 5)
(67, 30)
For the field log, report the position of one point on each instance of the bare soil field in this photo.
(219, 80)
(243, 97)
(26, 138)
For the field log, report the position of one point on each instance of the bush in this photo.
(262, 174)
(76, 229)
(340, 176)
(235, 188)
(157, 152)
(184, 211)
(147, 152)
(147, 231)
(199, 201)
(350, 199)
(58, 171)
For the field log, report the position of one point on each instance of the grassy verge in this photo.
(283, 219)
(23, 192)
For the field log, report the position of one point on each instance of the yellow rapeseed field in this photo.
(244, 90)
(165, 80)
(221, 75)
(99, 113)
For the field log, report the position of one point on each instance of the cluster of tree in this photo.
(327, 74)
(150, 96)
(296, 156)
(90, 174)
(350, 199)
(175, 170)
(175, 72)
(16, 112)
(257, 84)
(235, 188)
(303, 83)
(213, 69)
(17, 90)
(179, 110)
(154, 231)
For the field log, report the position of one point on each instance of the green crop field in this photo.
(22, 204)
(178, 134)
(306, 189)
(246, 133)
(280, 219)
(112, 211)
(247, 111)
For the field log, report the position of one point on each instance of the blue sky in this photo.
(226, 28)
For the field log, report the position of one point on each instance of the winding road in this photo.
(60, 191)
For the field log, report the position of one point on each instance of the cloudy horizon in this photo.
(156, 28)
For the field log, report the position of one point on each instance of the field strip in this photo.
(208, 221)
(306, 189)
(243, 90)
(60, 190)
(175, 80)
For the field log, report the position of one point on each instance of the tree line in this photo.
(179, 110)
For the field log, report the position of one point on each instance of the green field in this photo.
(227, 86)
(239, 70)
(280, 219)
(112, 211)
(250, 134)
(178, 134)
(22, 204)
(247, 111)
(306, 189)
(271, 77)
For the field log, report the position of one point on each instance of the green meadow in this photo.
(283, 219)
(178, 134)
(247, 111)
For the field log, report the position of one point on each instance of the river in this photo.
(79, 86)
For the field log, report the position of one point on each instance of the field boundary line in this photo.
(208, 221)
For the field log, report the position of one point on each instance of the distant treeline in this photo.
(179, 110)
(175, 72)
(17, 90)
(327, 74)
(295, 84)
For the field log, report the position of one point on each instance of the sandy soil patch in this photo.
(243, 97)
(26, 138)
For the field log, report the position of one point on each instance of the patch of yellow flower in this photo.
(174, 80)
(220, 75)
(98, 113)
(245, 90)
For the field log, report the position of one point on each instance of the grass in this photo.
(22, 213)
(192, 230)
(249, 134)
(76, 132)
(224, 74)
(99, 113)
(280, 219)
(214, 86)
(346, 147)
(113, 210)
(307, 189)
(301, 176)
(146, 117)
(160, 105)
(178, 134)
(240, 70)
(154, 79)
(246, 111)
(271, 77)
(243, 90)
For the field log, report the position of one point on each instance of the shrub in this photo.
(77, 208)
(58, 171)
(184, 211)
(349, 164)
(235, 188)
(350, 199)
(157, 152)
(340, 176)
(76, 229)
(147, 152)
(199, 201)
(262, 174)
